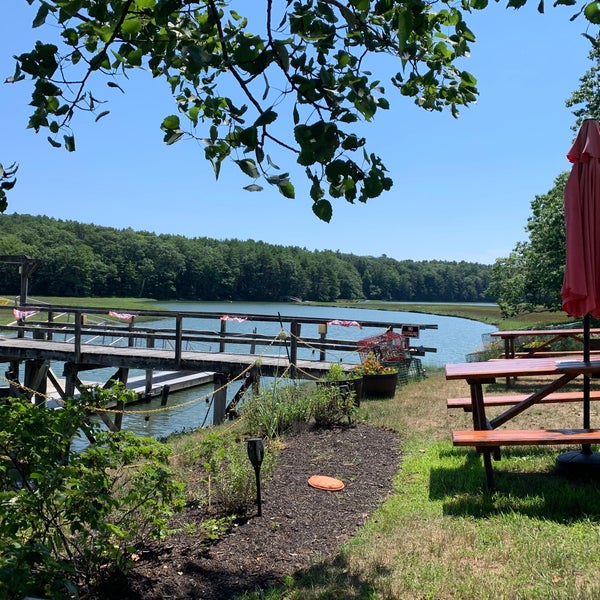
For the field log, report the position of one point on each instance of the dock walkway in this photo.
(82, 339)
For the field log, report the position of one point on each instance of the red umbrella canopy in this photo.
(581, 285)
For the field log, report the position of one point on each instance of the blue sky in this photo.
(462, 187)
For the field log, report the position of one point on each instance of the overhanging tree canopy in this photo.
(300, 75)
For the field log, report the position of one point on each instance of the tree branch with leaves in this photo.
(293, 78)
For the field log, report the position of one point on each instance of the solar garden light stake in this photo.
(256, 453)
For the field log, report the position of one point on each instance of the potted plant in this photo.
(345, 381)
(379, 380)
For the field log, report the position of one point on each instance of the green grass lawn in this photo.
(441, 535)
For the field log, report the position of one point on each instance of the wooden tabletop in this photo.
(511, 367)
(540, 332)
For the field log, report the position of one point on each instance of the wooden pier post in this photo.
(149, 372)
(323, 338)
(35, 379)
(178, 339)
(77, 340)
(295, 331)
(219, 398)
(164, 394)
(222, 335)
(50, 333)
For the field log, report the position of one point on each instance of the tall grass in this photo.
(441, 535)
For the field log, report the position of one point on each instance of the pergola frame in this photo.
(27, 266)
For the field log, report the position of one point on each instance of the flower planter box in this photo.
(379, 386)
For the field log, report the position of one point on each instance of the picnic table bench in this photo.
(553, 335)
(512, 399)
(485, 435)
(525, 437)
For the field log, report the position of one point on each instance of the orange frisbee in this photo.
(322, 482)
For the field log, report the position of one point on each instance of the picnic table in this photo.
(545, 347)
(486, 436)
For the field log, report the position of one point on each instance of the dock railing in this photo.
(134, 328)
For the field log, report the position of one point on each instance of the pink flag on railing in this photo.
(345, 323)
(238, 319)
(24, 314)
(118, 315)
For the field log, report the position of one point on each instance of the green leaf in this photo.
(131, 25)
(592, 13)
(112, 84)
(318, 142)
(271, 163)
(102, 114)
(171, 122)
(253, 187)
(467, 78)
(135, 58)
(405, 26)
(54, 143)
(118, 532)
(8, 185)
(268, 116)
(172, 136)
(40, 17)
(249, 137)
(287, 189)
(323, 210)
(352, 142)
(248, 166)
(69, 142)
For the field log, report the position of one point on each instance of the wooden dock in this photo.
(81, 339)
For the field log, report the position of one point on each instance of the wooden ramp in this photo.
(176, 380)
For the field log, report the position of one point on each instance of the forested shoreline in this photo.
(85, 260)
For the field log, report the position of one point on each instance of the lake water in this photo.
(454, 339)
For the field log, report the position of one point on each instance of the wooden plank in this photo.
(525, 437)
(533, 353)
(511, 367)
(512, 399)
(96, 356)
(539, 332)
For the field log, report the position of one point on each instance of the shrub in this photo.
(67, 517)
(276, 410)
(332, 406)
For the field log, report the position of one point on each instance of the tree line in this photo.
(85, 260)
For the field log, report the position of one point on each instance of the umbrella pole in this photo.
(586, 448)
(584, 461)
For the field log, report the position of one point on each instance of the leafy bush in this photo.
(337, 373)
(332, 406)
(276, 410)
(279, 409)
(217, 466)
(67, 517)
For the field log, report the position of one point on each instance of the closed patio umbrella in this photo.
(581, 285)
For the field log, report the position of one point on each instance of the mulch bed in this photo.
(299, 526)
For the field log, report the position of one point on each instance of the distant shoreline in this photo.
(485, 313)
